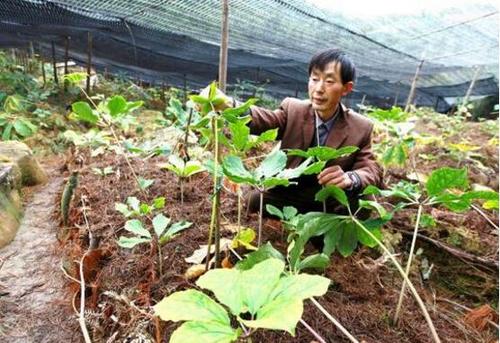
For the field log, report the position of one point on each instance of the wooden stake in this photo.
(56, 80)
(89, 60)
(66, 57)
(223, 47)
(42, 64)
(471, 86)
(413, 86)
(32, 50)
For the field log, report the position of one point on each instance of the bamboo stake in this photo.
(471, 86)
(56, 80)
(89, 60)
(66, 57)
(223, 47)
(413, 86)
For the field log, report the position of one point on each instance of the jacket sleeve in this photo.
(264, 119)
(366, 166)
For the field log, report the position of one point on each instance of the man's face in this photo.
(326, 89)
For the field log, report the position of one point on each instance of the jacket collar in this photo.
(337, 134)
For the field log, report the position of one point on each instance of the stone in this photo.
(10, 202)
(20, 154)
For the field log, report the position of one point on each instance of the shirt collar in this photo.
(329, 123)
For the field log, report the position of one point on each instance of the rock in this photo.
(10, 202)
(20, 154)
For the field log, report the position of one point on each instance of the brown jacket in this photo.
(295, 120)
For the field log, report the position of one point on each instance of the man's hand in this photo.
(334, 175)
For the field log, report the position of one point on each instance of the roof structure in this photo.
(270, 41)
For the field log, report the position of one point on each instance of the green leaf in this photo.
(232, 114)
(84, 112)
(289, 212)
(244, 238)
(491, 205)
(315, 168)
(7, 131)
(373, 205)
(145, 209)
(373, 225)
(265, 252)
(317, 261)
(427, 221)
(191, 168)
(131, 106)
(135, 226)
(159, 202)
(348, 239)
(117, 105)
(446, 178)
(160, 223)
(324, 153)
(267, 136)
(191, 305)
(134, 203)
(334, 192)
(301, 286)
(145, 183)
(130, 242)
(250, 288)
(22, 128)
(178, 227)
(206, 332)
(239, 135)
(235, 170)
(274, 211)
(272, 164)
(279, 314)
(274, 181)
(123, 209)
(453, 202)
(75, 78)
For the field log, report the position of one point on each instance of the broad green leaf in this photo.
(279, 314)
(274, 181)
(199, 99)
(316, 261)
(191, 168)
(116, 105)
(134, 203)
(130, 242)
(244, 238)
(7, 131)
(84, 112)
(75, 78)
(206, 332)
(373, 226)
(135, 226)
(292, 173)
(373, 205)
(272, 164)
(159, 202)
(232, 113)
(145, 183)
(483, 195)
(453, 202)
(348, 240)
(427, 221)
(133, 105)
(491, 205)
(220, 281)
(301, 286)
(145, 209)
(178, 227)
(332, 238)
(334, 192)
(274, 211)
(265, 252)
(267, 136)
(239, 135)
(315, 168)
(160, 223)
(191, 305)
(289, 212)
(324, 153)
(446, 178)
(22, 128)
(123, 209)
(235, 170)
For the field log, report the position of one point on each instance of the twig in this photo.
(81, 318)
(67, 275)
(334, 321)
(478, 210)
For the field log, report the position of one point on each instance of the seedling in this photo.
(103, 171)
(273, 300)
(183, 170)
(12, 124)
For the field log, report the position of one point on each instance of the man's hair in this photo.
(322, 58)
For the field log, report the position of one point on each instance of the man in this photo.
(321, 120)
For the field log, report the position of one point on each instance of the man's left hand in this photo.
(334, 175)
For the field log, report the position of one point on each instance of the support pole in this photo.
(42, 64)
(471, 86)
(185, 89)
(413, 86)
(66, 57)
(56, 80)
(32, 50)
(89, 60)
(223, 47)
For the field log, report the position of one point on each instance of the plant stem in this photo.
(410, 284)
(239, 209)
(484, 216)
(408, 264)
(312, 331)
(261, 203)
(334, 321)
(160, 259)
(181, 184)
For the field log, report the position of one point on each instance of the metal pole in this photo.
(471, 86)
(413, 86)
(89, 60)
(56, 80)
(66, 57)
